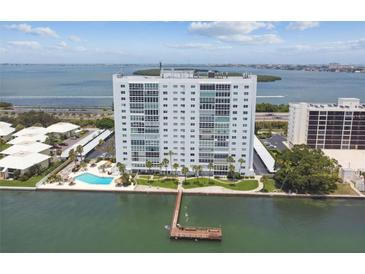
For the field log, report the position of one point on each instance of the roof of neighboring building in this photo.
(6, 129)
(28, 138)
(26, 147)
(264, 155)
(31, 131)
(22, 160)
(348, 158)
(61, 127)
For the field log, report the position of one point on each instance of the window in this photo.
(235, 86)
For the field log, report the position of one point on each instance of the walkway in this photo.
(179, 232)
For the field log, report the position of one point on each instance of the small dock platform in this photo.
(192, 233)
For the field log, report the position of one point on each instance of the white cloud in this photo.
(348, 45)
(205, 46)
(227, 28)
(251, 39)
(25, 28)
(25, 44)
(302, 25)
(62, 45)
(239, 32)
(74, 38)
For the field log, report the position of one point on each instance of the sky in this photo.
(219, 42)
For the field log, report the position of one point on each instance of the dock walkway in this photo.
(179, 232)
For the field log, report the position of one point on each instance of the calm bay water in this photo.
(91, 85)
(110, 222)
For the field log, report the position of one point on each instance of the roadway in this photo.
(260, 116)
(272, 116)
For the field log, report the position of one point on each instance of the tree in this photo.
(149, 165)
(241, 161)
(19, 127)
(305, 170)
(165, 163)
(121, 168)
(185, 171)
(105, 123)
(197, 169)
(175, 166)
(79, 151)
(210, 167)
(72, 155)
(230, 159)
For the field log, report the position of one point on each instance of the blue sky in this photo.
(182, 42)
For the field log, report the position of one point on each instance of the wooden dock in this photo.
(193, 233)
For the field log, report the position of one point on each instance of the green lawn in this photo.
(144, 176)
(242, 185)
(269, 186)
(166, 183)
(344, 189)
(31, 182)
(4, 146)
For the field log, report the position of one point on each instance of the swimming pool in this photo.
(93, 179)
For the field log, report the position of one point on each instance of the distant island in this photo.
(156, 72)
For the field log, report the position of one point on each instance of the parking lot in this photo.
(275, 142)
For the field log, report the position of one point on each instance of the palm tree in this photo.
(185, 171)
(230, 159)
(72, 155)
(165, 163)
(149, 165)
(241, 161)
(79, 151)
(121, 168)
(170, 156)
(197, 169)
(175, 167)
(210, 167)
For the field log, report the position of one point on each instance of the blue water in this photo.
(91, 85)
(93, 179)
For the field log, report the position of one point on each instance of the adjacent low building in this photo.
(6, 131)
(35, 147)
(328, 126)
(21, 162)
(28, 139)
(31, 131)
(62, 129)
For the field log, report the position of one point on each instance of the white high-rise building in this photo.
(188, 117)
(328, 126)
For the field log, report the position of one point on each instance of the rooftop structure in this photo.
(31, 131)
(28, 139)
(61, 127)
(6, 129)
(35, 147)
(22, 160)
(328, 126)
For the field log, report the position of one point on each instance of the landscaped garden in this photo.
(269, 185)
(242, 185)
(160, 182)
